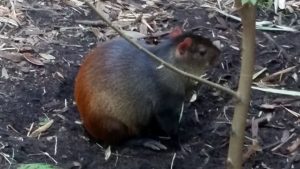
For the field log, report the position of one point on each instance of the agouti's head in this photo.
(193, 53)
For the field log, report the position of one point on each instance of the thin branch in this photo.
(168, 65)
(281, 49)
(91, 22)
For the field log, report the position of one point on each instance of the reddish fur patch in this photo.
(177, 31)
(108, 129)
(93, 115)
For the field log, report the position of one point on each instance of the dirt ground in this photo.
(35, 89)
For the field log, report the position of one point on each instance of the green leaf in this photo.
(244, 2)
(36, 166)
(253, 2)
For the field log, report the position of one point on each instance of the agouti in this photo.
(119, 90)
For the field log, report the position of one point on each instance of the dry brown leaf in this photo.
(75, 3)
(134, 34)
(107, 153)
(98, 33)
(33, 31)
(4, 73)
(295, 77)
(100, 6)
(286, 136)
(31, 59)
(257, 74)
(64, 109)
(193, 97)
(47, 56)
(268, 106)
(251, 150)
(60, 75)
(146, 23)
(292, 112)
(254, 128)
(9, 21)
(143, 29)
(278, 74)
(4, 11)
(295, 145)
(41, 129)
(13, 56)
(122, 24)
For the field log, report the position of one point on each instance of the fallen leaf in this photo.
(9, 21)
(295, 145)
(107, 153)
(47, 56)
(194, 97)
(75, 3)
(41, 129)
(292, 112)
(268, 106)
(4, 73)
(13, 56)
(31, 59)
(133, 34)
(281, 4)
(4, 10)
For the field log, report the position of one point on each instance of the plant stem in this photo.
(235, 153)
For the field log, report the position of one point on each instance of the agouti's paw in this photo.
(185, 149)
(147, 143)
(154, 145)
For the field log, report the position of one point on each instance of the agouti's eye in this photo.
(202, 50)
(202, 53)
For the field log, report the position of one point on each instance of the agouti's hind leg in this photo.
(107, 129)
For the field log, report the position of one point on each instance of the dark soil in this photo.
(33, 93)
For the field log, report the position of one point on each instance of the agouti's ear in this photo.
(177, 31)
(183, 46)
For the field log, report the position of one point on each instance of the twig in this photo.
(279, 73)
(91, 23)
(55, 145)
(206, 160)
(292, 112)
(11, 127)
(283, 142)
(117, 158)
(291, 160)
(263, 119)
(283, 51)
(295, 145)
(173, 159)
(30, 129)
(117, 155)
(168, 65)
(260, 25)
(3, 27)
(29, 8)
(45, 154)
(277, 91)
(6, 157)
